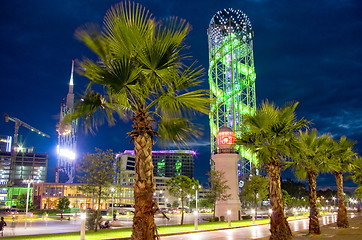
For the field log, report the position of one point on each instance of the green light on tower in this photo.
(231, 73)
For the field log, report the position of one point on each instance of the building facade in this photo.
(26, 165)
(167, 163)
(46, 195)
(5, 143)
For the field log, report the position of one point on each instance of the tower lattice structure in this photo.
(231, 76)
(67, 138)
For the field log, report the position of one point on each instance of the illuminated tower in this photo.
(67, 139)
(231, 75)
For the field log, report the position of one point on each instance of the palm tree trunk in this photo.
(144, 226)
(342, 219)
(279, 227)
(313, 216)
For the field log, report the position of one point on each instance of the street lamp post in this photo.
(196, 219)
(82, 226)
(229, 217)
(112, 190)
(30, 181)
(196, 209)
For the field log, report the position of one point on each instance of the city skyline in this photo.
(303, 51)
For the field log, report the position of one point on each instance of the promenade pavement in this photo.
(299, 228)
(354, 232)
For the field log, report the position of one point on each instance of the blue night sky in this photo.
(308, 51)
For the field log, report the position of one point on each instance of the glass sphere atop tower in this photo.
(229, 21)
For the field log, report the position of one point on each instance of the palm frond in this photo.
(178, 131)
(93, 108)
(91, 36)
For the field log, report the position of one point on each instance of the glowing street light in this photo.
(29, 181)
(253, 215)
(229, 217)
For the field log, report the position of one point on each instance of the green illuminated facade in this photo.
(231, 74)
(9, 195)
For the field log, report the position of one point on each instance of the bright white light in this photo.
(270, 211)
(229, 212)
(66, 153)
(83, 216)
(253, 211)
(195, 213)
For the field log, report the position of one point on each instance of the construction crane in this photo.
(19, 123)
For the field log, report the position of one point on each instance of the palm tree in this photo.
(341, 158)
(270, 135)
(140, 68)
(307, 163)
(356, 175)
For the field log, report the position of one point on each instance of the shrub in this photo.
(222, 218)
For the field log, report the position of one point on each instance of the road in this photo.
(49, 227)
(15, 228)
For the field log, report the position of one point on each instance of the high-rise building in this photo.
(67, 139)
(231, 76)
(26, 165)
(167, 163)
(5, 143)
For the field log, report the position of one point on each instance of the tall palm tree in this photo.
(140, 68)
(356, 175)
(341, 158)
(270, 134)
(307, 163)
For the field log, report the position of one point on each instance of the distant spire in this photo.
(70, 96)
(71, 75)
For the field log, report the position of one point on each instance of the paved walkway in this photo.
(299, 228)
(354, 232)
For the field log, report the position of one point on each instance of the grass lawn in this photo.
(126, 232)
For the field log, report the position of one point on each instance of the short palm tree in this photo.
(307, 163)
(140, 68)
(341, 156)
(270, 135)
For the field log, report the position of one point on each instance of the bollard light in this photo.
(229, 217)
(253, 215)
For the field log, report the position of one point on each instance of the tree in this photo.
(341, 156)
(270, 135)
(181, 187)
(307, 163)
(97, 171)
(175, 203)
(140, 67)
(255, 190)
(356, 176)
(295, 189)
(21, 201)
(63, 203)
(218, 188)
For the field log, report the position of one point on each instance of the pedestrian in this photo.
(2, 226)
